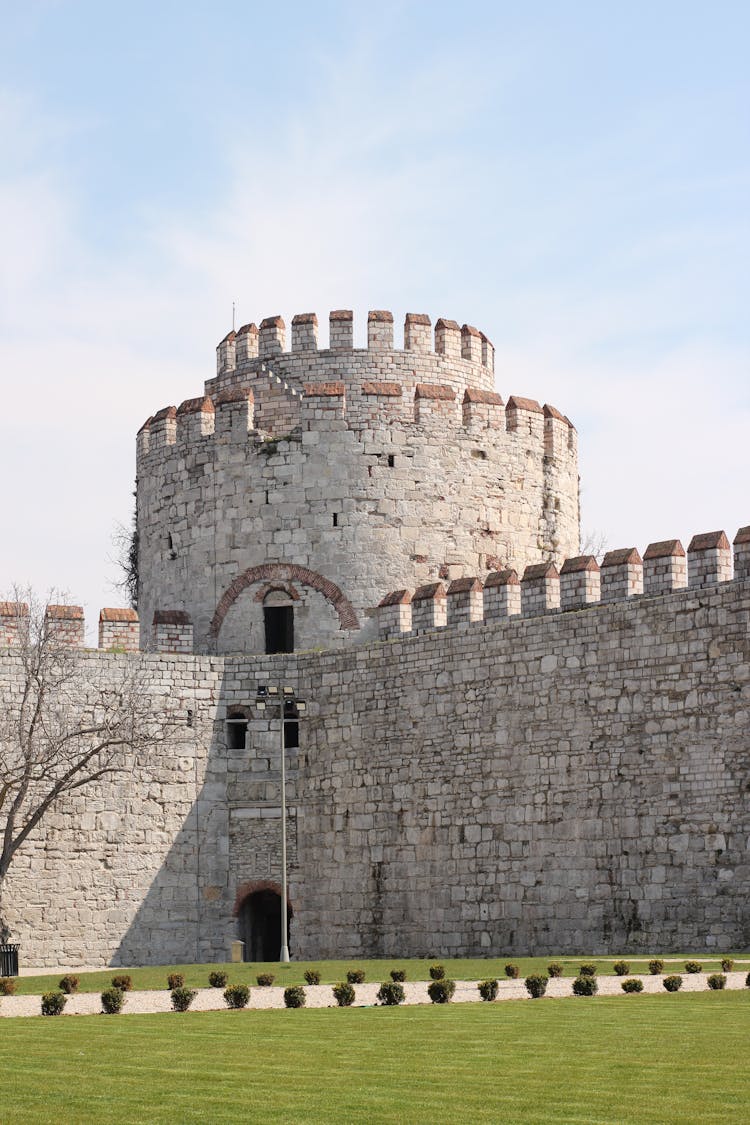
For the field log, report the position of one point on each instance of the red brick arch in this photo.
(246, 889)
(285, 572)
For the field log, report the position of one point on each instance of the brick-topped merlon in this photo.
(14, 623)
(709, 559)
(471, 344)
(195, 418)
(502, 595)
(483, 409)
(488, 352)
(172, 631)
(448, 338)
(580, 583)
(417, 333)
(235, 414)
(380, 330)
(226, 353)
(434, 399)
(394, 614)
(621, 574)
(271, 337)
(246, 344)
(664, 567)
(556, 432)
(465, 601)
(324, 404)
(540, 589)
(428, 607)
(524, 415)
(64, 624)
(742, 553)
(163, 427)
(341, 330)
(305, 332)
(119, 630)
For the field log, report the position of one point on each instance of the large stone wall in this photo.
(571, 782)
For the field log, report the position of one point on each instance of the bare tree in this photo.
(69, 719)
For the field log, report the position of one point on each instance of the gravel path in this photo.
(321, 996)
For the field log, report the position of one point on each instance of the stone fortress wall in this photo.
(328, 477)
(569, 778)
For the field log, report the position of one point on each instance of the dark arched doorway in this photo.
(259, 917)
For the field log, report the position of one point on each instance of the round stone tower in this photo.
(277, 509)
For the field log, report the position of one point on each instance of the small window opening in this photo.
(279, 625)
(291, 726)
(391, 461)
(266, 496)
(236, 730)
(335, 519)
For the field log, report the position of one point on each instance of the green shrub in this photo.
(182, 998)
(312, 976)
(294, 996)
(437, 972)
(727, 964)
(585, 986)
(391, 993)
(112, 1001)
(512, 971)
(398, 975)
(717, 980)
(344, 994)
(747, 981)
(236, 996)
(588, 970)
(441, 990)
(123, 982)
(693, 967)
(7, 986)
(673, 983)
(218, 979)
(69, 984)
(536, 985)
(265, 980)
(53, 1003)
(488, 989)
(632, 985)
(555, 969)
(621, 969)
(175, 980)
(656, 966)
(356, 976)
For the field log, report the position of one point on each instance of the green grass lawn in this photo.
(667, 1058)
(196, 976)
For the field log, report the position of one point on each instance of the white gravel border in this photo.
(321, 995)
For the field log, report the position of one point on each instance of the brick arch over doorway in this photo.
(284, 572)
(246, 889)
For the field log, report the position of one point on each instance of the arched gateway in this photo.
(258, 911)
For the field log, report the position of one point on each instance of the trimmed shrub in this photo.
(632, 985)
(398, 975)
(437, 972)
(693, 967)
(727, 964)
(344, 994)
(236, 996)
(747, 981)
(312, 976)
(621, 968)
(717, 980)
(175, 980)
(488, 989)
(294, 996)
(512, 971)
(585, 986)
(265, 980)
(218, 979)
(441, 990)
(555, 969)
(356, 976)
(588, 970)
(656, 966)
(123, 982)
(672, 983)
(112, 1001)
(391, 993)
(7, 986)
(536, 985)
(53, 1003)
(69, 984)
(182, 998)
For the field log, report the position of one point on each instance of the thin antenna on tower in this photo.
(233, 312)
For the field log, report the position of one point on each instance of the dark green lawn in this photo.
(666, 1058)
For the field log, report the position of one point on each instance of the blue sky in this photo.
(571, 178)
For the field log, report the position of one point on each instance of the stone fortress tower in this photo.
(276, 510)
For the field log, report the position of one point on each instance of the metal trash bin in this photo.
(9, 960)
